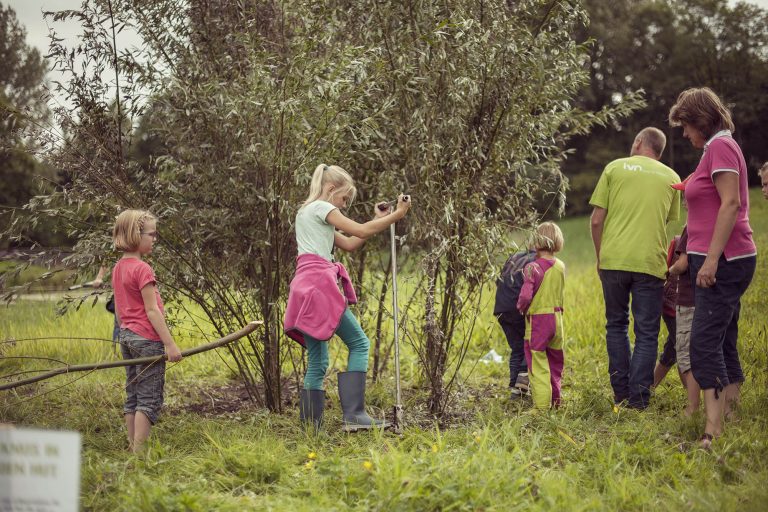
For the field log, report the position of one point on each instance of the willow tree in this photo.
(466, 104)
(242, 101)
(483, 94)
(240, 152)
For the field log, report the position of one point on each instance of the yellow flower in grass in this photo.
(434, 448)
(311, 455)
(309, 464)
(616, 409)
(367, 465)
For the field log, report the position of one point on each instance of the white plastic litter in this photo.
(491, 357)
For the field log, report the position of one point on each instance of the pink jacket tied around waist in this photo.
(315, 304)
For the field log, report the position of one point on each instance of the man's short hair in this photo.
(654, 139)
(763, 171)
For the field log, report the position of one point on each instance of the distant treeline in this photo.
(664, 47)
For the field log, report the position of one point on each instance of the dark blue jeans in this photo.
(631, 372)
(513, 325)
(715, 330)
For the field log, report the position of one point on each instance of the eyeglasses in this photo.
(153, 234)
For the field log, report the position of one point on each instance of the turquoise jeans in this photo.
(354, 338)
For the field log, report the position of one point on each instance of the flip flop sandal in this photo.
(705, 442)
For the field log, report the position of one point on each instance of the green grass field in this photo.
(493, 456)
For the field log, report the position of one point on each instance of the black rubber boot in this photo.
(311, 405)
(352, 398)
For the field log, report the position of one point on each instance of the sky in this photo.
(30, 14)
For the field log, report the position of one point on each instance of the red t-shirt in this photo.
(129, 276)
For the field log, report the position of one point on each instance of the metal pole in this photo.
(398, 412)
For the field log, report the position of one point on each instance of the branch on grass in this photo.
(249, 328)
(13, 341)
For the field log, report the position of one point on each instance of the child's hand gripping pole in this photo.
(387, 205)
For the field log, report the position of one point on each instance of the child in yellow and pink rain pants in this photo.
(541, 302)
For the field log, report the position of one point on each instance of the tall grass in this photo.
(496, 456)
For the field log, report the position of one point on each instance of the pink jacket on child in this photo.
(315, 304)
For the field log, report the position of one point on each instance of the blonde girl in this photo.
(541, 302)
(316, 308)
(140, 315)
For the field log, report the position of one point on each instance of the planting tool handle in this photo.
(89, 284)
(393, 241)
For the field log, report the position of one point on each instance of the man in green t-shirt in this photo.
(633, 201)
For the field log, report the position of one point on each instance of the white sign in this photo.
(39, 470)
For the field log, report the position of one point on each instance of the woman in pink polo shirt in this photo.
(721, 252)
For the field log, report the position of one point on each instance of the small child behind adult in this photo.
(541, 302)
(763, 173)
(684, 319)
(512, 322)
(684, 313)
(668, 356)
(143, 331)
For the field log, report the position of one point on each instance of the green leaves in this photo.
(466, 105)
(478, 90)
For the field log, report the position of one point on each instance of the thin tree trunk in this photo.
(434, 342)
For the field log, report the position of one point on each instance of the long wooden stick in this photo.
(229, 338)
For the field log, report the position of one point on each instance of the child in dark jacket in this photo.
(508, 287)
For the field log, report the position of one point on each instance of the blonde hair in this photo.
(126, 235)
(701, 108)
(548, 237)
(763, 171)
(334, 175)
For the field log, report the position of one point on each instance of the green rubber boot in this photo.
(311, 405)
(352, 398)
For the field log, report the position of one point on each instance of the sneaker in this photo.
(515, 394)
(522, 382)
